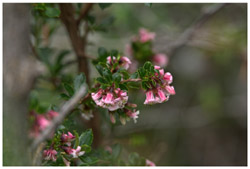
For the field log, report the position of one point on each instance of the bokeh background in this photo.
(205, 123)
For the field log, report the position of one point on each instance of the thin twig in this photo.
(64, 111)
(190, 31)
(84, 12)
(131, 80)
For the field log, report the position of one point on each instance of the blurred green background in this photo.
(205, 123)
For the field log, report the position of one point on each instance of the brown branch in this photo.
(67, 17)
(84, 12)
(131, 80)
(190, 31)
(79, 46)
(64, 111)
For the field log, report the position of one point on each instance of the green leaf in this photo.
(104, 5)
(52, 12)
(64, 96)
(107, 74)
(40, 6)
(107, 22)
(91, 19)
(61, 55)
(101, 80)
(86, 137)
(116, 77)
(76, 140)
(79, 80)
(147, 65)
(152, 69)
(148, 4)
(89, 160)
(133, 85)
(153, 82)
(134, 75)
(114, 53)
(99, 68)
(69, 89)
(123, 87)
(44, 54)
(144, 85)
(102, 53)
(86, 148)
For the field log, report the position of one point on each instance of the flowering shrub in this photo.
(110, 91)
(141, 49)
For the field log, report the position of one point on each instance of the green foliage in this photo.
(79, 80)
(86, 137)
(146, 74)
(142, 51)
(52, 12)
(73, 87)
(47, 10)
(104, 25)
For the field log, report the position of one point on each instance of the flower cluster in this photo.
(141, 49)
(160, 59)
(130, 114)
(163, 90)
(122, 62)
(110, 98)
(41, 121)
(144, 36)
(74, 152)
(50, 154)
(67, 138)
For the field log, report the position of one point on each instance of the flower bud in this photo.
(50, 154)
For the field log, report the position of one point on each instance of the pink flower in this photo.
(74, 152)
(157, 67)
(161, 72)
(98, 95)
(160, 59)
(111, 100)
(145, 36)
(168, 77)
(77, 152)
(149, 163)
(161, 95)
(161, 91)
(170, 90)
(133, 115)
(50, 154)
(125, 62)
(114, 107)
(42, 122)
(150, 99)
(109, 60)
(67, 139)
